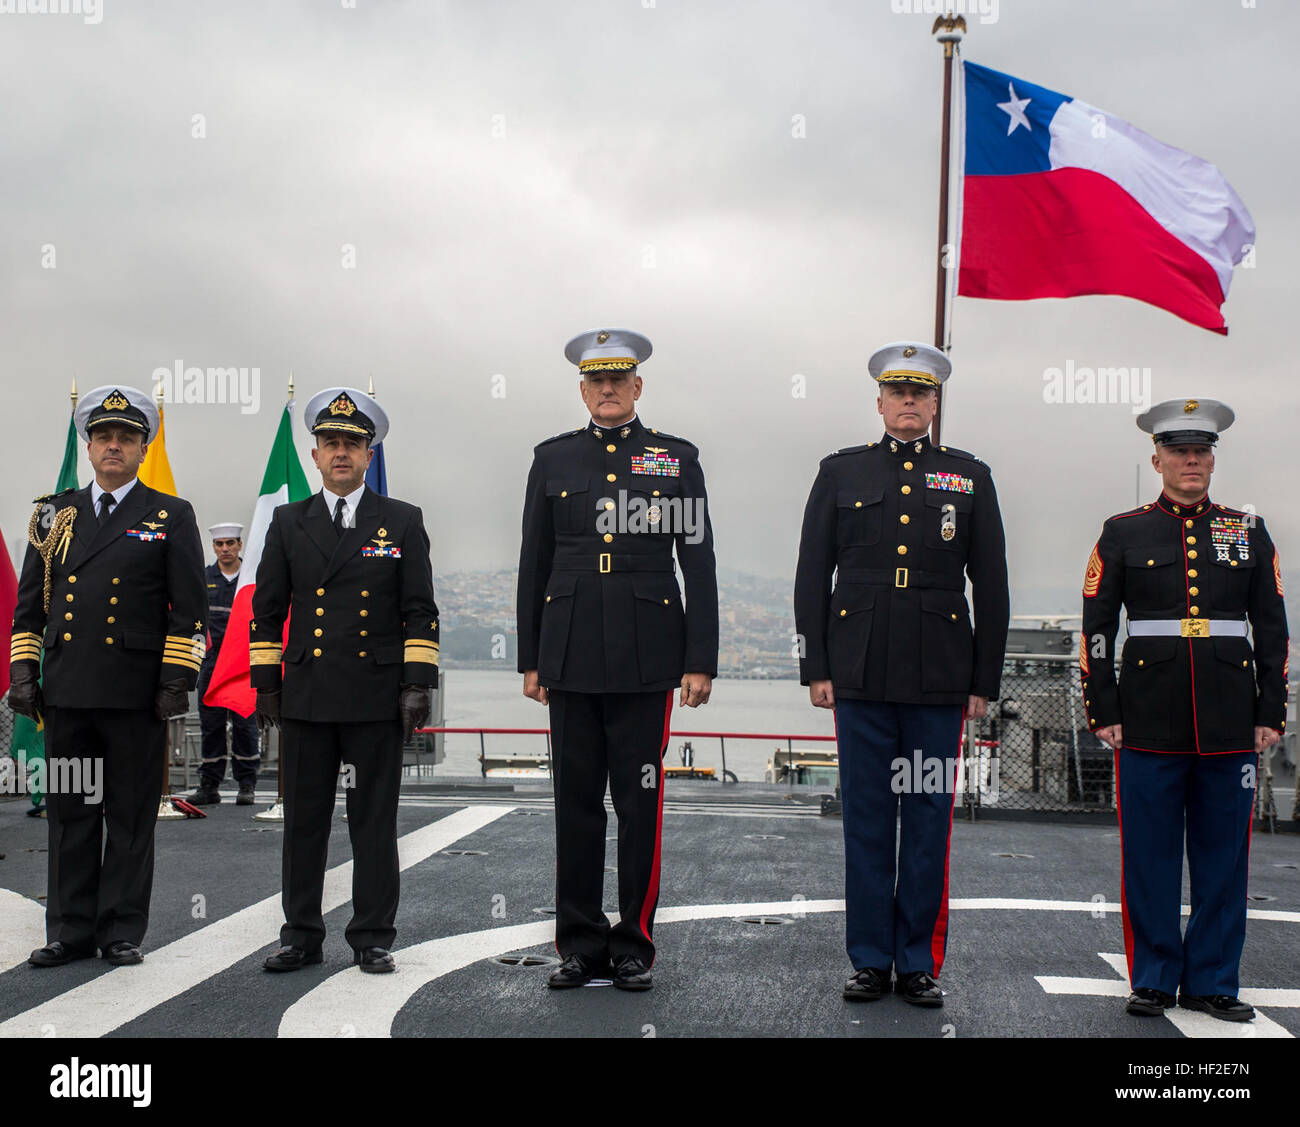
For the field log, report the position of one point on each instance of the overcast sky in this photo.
(511, 173)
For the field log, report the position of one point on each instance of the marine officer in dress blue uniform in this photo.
(112, 593)
(360, 663)
(222, 578)
(1192, 708)
(900, 525)
(604, 639)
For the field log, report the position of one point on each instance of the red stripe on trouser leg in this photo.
(652, 891)
(939, 940)
(1123, 902)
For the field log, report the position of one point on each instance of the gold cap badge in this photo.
(909, 352)
(602, 337)
(343, 406)
(1190, 406)
(116, 401)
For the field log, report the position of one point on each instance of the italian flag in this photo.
(283, 482)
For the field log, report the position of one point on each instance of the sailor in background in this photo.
(112, 593)
(222, 579)
(360, 664)
(1193, 707)
(604, 639)
(901, 525)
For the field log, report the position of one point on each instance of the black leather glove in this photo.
(25, 690)
(173, 699)
(268, 708)
(414, 704)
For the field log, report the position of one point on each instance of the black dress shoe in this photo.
(374, 960)
(576, 970)
(630, 973)
(919, 989)
(1223, 1006)
(292, 958)
(122, 953)
(246, 797)
(1146, 1001)
(866, 985)
(58, 953)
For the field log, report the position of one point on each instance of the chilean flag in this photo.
(1062, 199)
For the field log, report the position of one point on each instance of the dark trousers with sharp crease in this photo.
(313, 753)
(244, 757)
(99, 884)
(617, 738)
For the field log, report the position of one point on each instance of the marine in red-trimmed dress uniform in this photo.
(1194, 705)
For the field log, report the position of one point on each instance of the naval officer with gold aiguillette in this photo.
(112, 594)
(350, 570)
(604, 638)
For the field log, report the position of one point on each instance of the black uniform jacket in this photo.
(1185, 694)
(900, 525)
(127, 602)
(598, 604)
(362, 620)
(221, 597)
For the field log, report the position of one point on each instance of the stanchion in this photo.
(274, 813)
(166, 811)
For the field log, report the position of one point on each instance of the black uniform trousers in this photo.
(243, 738)
(99, 891)
(313, 753)
(617, 738)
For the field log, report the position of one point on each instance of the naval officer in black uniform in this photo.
(901, 525)
(1193, 707)
(222, 579)
(604, 639)
(360, 664)
(112, 593)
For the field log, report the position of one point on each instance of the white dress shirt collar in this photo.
(96, 492)
(353, 499)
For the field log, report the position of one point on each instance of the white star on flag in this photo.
(1015, 110)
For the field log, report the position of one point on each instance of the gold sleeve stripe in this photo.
(421, 657)
(1277, 572)
(421, 642)
(1092, 578)
(25, 653)
(184, 664)
(1083, 653)
(264, 645)
(28, 636)
(264, 657)
(182, 640)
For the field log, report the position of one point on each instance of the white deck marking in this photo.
(1190, 1023)
(123, 994)
(24, 928)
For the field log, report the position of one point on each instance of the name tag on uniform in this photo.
(145, 535)
(1227, 533)
(658, 464)
(953, 483)
(371, 552)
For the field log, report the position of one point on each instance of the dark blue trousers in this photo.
(897, 757)
(1210, 798)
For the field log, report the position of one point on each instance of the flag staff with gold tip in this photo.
(168, 811)
(948, 30)
(275, 812)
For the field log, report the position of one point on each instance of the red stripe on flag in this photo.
(1070, 232)
(229, 687)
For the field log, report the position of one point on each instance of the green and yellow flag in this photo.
(28, 743)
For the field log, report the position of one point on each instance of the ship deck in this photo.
(749, 932)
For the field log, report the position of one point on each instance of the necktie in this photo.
(338, 516)
(106, 502)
